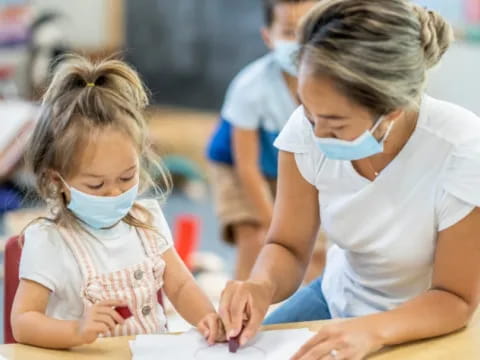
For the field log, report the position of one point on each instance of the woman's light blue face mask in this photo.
(364, 146)
(101, 212)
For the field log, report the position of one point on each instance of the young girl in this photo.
(102, 254)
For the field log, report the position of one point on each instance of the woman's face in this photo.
(332, 114)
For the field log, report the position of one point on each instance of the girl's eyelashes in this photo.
(96, 187)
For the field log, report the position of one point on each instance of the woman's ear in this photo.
(395, 115)
(387, 121)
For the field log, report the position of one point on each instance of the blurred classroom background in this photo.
(187, 52)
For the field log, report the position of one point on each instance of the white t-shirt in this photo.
(384, 232)
(47, 259)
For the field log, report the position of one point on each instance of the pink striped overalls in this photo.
(137, 286)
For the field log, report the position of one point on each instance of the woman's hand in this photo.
(347, 340)
(243, 306)
(211, 327)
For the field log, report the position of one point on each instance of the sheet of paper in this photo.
(268, 345)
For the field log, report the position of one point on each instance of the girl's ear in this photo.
(57, 186)
(56, 181)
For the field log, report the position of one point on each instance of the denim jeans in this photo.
(307, 304)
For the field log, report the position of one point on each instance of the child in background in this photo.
(95, 267)
(241, 152)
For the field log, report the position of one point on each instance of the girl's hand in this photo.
(348, 340)
(211, 327)
(99, 319)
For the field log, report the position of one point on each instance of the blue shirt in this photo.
(257, 99)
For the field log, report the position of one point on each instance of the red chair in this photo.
(13, 251)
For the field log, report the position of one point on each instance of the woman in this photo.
(392, 174)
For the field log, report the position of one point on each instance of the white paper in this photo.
(268, 345)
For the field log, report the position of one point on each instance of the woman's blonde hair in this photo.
(377, 52)
(83, 98)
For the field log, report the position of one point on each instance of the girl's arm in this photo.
(182, 290)
(31, 326)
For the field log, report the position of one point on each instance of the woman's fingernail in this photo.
(232, 333)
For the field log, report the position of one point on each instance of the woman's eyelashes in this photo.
(95, 187)
(127, 179)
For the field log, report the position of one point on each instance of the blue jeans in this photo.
(307, 304)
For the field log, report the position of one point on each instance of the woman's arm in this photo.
(281, 265)
(455, 292)
(446, 307)
(283, 261)
(246, 152)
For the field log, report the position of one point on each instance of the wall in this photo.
(457, 78)
(91, 25)
(189, 50)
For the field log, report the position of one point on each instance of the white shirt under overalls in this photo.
(48, 259)
(384, 232)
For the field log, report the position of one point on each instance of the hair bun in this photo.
(436, 35)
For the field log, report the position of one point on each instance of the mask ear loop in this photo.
(64, 182)
(387, 133)
(68, 187)
(389, 130)
(377, 124)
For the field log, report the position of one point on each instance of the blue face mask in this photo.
(284, 53)
(101, 211)
(364, 146)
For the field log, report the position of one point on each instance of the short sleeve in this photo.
(297, 138)
(460, 192)
(165, 235)
(241, 105)
(295, 135)
(41, 256)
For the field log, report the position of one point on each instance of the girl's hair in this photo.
(83, 98)
(377, 52)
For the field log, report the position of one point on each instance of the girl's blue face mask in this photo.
(101, 212)
(364, 146)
